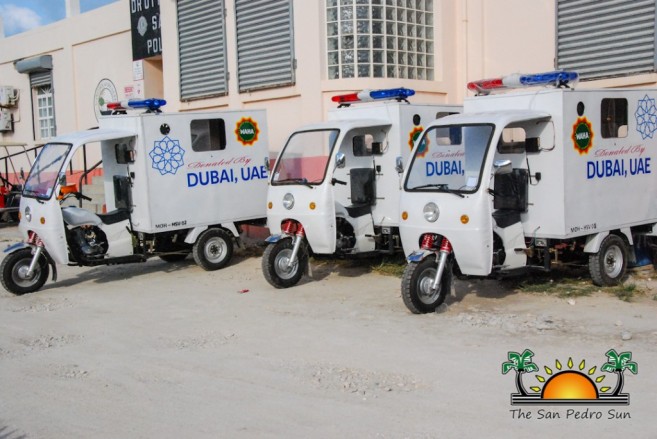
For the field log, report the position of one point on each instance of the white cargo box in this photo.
(595, 163)
(189, 169)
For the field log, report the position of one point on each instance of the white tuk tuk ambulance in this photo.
(174, 184)
(334, 189)
(549, 175)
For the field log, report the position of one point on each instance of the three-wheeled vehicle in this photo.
(170, 183)
(334, 189)
(550, 175)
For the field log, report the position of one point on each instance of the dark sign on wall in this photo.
(145, 23)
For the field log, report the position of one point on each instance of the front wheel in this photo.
(417, 279)
(213, 249)
(275, 264)
(609, 264)
(14, 272)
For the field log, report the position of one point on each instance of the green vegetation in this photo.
(390, 266)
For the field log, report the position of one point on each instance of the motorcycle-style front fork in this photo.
(296, 230)
(443, 254)
(37, 250)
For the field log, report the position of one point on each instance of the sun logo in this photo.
(574, 385)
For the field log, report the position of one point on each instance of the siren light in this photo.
(372, 95)
(152, 104)
(557, 78)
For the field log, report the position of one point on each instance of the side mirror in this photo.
(399, 165)
(22, 174)
(267, 166)
(502, 167)
(340, 160)
(61, 180)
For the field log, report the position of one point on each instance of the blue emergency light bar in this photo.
(557, 78)
(152, 104)
(372, 95)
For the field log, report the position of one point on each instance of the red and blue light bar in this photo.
(151, 104)
(373, 95)
(557, 78)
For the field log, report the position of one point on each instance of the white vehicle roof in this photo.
(346, 124)
(501, 118)
(95, 135)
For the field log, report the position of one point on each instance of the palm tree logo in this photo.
(617, 364)
(570, 383)
(521, 363)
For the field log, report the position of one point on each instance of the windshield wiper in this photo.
(440, 187)
(303, 181)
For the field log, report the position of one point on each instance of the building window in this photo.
(45, 112)
(202, 45)
(265, 49)
(380, 39)
(606, 38)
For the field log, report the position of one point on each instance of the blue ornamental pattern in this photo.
(167, 156)
(646, 117)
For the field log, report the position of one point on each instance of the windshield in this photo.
(449, 158)
(43, 176)
(305, 157)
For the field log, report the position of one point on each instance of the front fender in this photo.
(418, 255)
(274, 239)
(19, 245)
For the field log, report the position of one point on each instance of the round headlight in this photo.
(28, 214)
(431, 212)
(288, 201)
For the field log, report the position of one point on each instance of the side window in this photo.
(614, 118)
(512, 141)
(364, 145)
(208, 134)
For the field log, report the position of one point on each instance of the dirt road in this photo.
(171, 351)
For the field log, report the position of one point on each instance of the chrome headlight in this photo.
(288, 201)
(28, 214)
(431, 212)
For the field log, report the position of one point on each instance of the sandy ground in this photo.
(171, 351)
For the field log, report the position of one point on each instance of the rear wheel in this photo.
(14, 272)
(276, 267)
(609, 265)
(417, 279)
(213, 249)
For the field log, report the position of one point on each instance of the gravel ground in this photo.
(169, 351)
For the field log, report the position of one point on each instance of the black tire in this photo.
(609, 265)
(213, 249)
(274, 262)
(173, 258)
(416, 282)
(18, 262)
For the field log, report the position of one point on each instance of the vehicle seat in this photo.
(115, 216)
(362, 192)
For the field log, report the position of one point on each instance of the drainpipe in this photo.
(72, 8)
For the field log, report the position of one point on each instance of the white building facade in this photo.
(290, 56)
